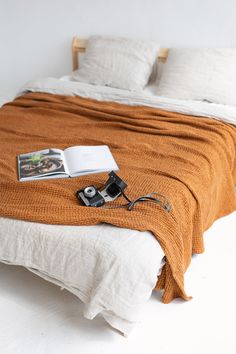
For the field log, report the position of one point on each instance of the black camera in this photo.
(91, 196)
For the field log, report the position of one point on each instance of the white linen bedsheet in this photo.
(112, 270)
(67, 86)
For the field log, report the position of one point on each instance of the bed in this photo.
(111, 268)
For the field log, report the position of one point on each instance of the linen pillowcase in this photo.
(117, 62)
(200, 74)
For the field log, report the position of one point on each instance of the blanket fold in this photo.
(191, 160)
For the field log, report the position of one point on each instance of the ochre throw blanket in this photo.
(191, 160)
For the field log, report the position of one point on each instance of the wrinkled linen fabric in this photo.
(67, 86)
(101, 264)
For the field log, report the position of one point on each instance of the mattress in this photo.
(112, 270)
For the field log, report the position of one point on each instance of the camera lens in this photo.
(113, 190)
(89, 192)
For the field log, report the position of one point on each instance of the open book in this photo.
(71, 162)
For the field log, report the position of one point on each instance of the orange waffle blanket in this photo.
(191, 160)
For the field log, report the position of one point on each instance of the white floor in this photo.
(38, 318)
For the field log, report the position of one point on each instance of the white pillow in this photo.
(117, 62)
(200, 74)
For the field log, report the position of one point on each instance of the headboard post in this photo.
(79, 46)
(75, 57)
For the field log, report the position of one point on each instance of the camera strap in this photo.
(159, 199)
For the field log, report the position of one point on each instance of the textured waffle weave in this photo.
(191, 160)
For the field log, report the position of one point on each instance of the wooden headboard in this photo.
(79, 46)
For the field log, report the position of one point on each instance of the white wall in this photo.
(35, 36)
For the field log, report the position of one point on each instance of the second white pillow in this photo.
(200, 74)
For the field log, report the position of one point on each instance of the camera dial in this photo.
(89, 192)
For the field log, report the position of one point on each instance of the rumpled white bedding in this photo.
(112, 270)
(67, 86)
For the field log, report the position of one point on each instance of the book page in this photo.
(89, 159)
(40, 164)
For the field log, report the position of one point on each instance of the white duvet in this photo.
(112, 270)
(66, 86)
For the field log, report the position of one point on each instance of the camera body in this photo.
(91, 196)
